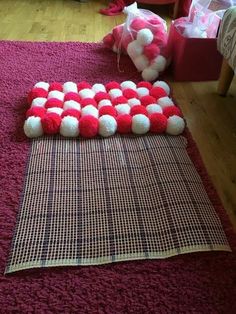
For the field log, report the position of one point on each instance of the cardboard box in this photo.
(193, 59)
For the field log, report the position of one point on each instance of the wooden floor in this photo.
(210, 118)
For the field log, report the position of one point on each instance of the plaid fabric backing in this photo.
(112, 199)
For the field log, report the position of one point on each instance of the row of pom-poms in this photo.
(98, 109)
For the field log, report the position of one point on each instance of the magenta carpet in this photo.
(193, 283)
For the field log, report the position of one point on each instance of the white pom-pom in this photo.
(140, 124)
(163, 85)
(43, 85)
(104, 102)
(149, 74)
(55, 110)
(165, 102)
(175, 125)
(56, 94)
(39, 102)
(71, 104)
(107, 125)
(145, 36)
(154, 108)
(98, 88)
(33, 127)
(115, 92)
(141, 63)
(123, 109)
(159, 63)
(142, 91)
(70, 87)
(69, 127)
(89, 110)
(195, 32)
(133, 102)
(86, 93)
(134, 49)
(128, 84)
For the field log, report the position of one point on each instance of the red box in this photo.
(193, 59)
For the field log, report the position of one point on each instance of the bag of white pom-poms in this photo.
(143, 37)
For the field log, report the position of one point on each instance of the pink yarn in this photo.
(112, 85)
(151, 51)
(117, 32)
(82, 85)
(160, 39)
(126, 39)
(108, 41)
(119, 100)
(118, 36)
(155, 21)
(55, 86)
(115, 7)
(72, 96)
(138, 24)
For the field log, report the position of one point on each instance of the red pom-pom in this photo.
(158, 92)
(160, 39)
(151, 51)
(119, 100)
(83, 85)
(138, 110)
(147, 100)
(145, 84)
(126, 39)
(35, 93)
(71, 112)
(36, 112)
(155, 21)
(102, 95)
(53, 102)
(138, 24)
(124, 123)
(88, 126)
(72, 96)
(158, 123)
(88, 101)
(107, 110)
(112, 85)
(108, 41)
(172, 111)
(55, 86)
(130, 93)
(117, 32)
(51, 123)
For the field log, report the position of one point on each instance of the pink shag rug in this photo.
(193, 283)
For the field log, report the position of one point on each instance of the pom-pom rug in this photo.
(134, 174)
(52, 111)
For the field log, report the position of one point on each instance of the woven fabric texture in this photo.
(97, 201)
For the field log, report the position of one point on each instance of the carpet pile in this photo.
(196, 283)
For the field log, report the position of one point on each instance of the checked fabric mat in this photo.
(105, 200)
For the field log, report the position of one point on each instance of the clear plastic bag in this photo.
(143, 37)
(204, 18)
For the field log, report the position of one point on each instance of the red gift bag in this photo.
(193, 59)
